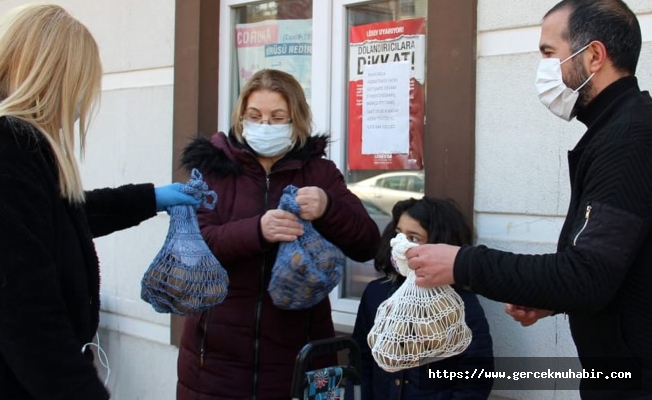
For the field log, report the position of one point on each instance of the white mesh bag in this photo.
(417, 323)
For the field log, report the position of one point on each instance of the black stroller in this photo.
(326, 383)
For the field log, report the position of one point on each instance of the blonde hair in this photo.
(50, 73)
(287, 86)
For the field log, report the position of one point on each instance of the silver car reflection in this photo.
(384, 190)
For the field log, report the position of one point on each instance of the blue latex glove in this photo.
(171, 195)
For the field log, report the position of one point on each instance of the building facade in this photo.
(476, 132)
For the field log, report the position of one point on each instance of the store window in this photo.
(385, 114)
(203, 99)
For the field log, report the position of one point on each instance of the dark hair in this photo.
(439, 217)
(610, 22)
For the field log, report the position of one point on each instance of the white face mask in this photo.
(553, 92)
(268, 140)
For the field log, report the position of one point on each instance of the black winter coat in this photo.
(245, 348)
(49, 272)
(601, 274)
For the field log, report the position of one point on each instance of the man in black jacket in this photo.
(601, 274)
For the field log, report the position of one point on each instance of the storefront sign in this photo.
(278, 44)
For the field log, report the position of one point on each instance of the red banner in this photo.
(379, 43)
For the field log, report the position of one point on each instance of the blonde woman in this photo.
(50, 77)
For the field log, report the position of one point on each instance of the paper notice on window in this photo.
(386, 108)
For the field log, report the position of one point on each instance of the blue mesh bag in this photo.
(306, 269)
(185, 277)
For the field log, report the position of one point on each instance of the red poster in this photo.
(378, 43)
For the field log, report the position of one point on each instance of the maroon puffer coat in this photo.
(245, 348)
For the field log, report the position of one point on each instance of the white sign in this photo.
(386, 108)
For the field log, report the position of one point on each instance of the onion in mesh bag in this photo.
(307, 268)
(185, 277)
(417, 323)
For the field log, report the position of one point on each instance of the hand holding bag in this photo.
(185, 277)
(306, 269)
(416, 323)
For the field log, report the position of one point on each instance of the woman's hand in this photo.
(171, 195)
(312, 201)
(280, 226)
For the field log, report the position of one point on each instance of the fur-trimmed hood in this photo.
(222, 155)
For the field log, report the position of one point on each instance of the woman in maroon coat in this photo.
(245, 348)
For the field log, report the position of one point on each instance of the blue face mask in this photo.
(268, 140)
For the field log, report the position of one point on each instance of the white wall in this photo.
(131, 141)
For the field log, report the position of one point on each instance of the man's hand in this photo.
(526, 315)
(432, 263)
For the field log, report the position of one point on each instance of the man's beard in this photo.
(576, 78)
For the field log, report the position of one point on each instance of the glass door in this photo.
(363, 67)
(383, 60)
